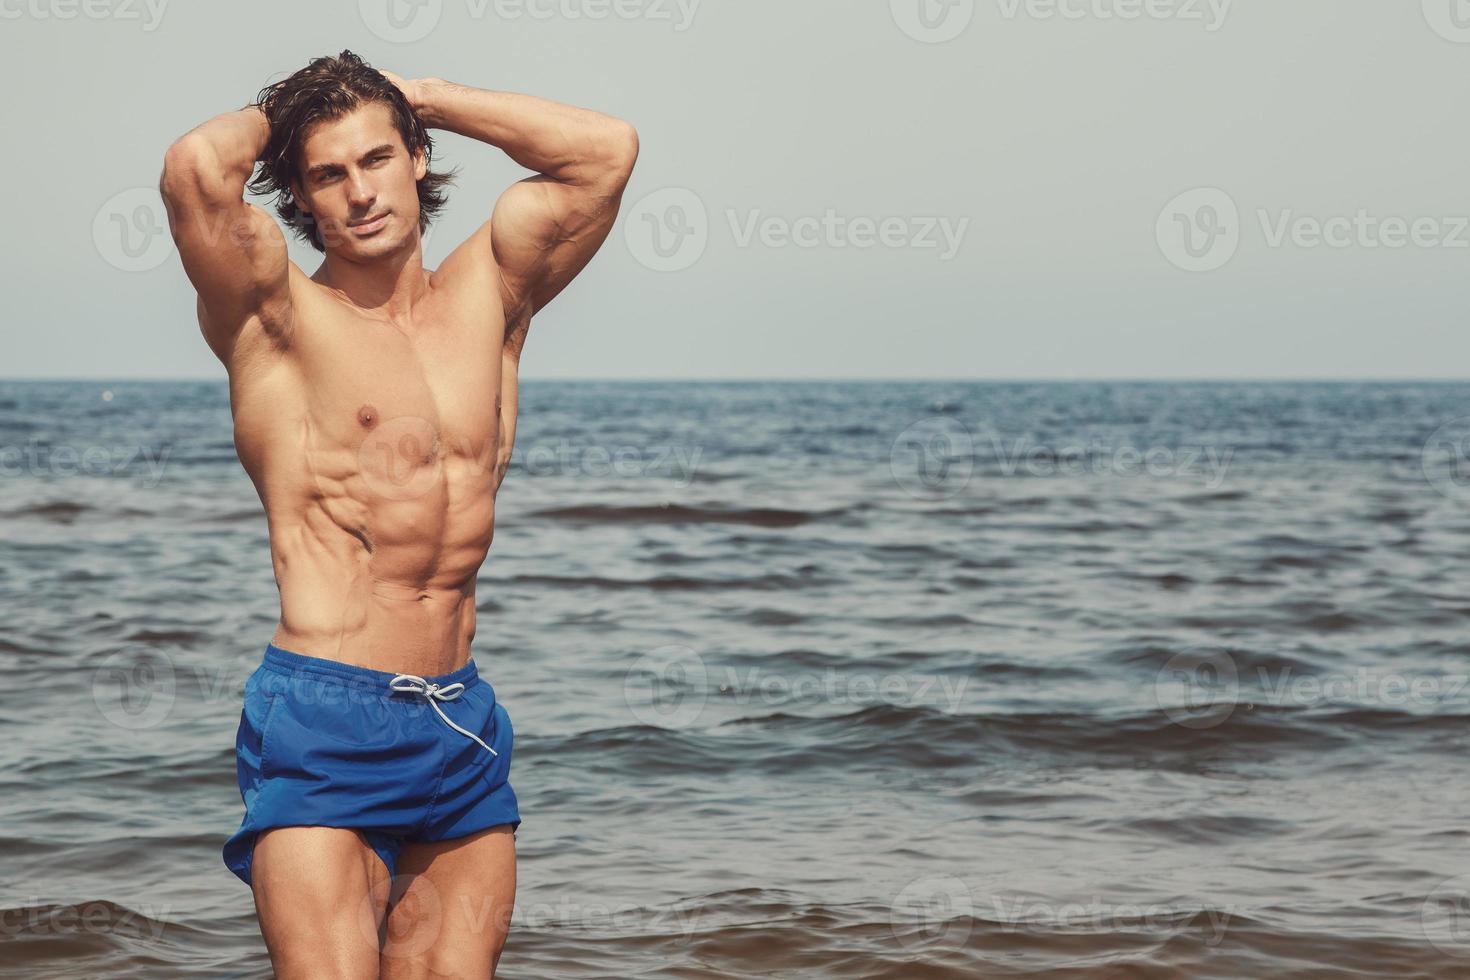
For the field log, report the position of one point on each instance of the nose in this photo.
(360, 193)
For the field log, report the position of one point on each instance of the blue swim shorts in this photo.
(397, 757)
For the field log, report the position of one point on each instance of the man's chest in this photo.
(401, 398)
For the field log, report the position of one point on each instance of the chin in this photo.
(386, 242)
(376, 248)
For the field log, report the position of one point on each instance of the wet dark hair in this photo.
(330, 88)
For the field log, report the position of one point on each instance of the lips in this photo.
(367, 226)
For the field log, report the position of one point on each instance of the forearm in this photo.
(563, 142)
(220, 152)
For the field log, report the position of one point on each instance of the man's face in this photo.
(360, 183)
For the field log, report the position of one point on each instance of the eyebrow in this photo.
(326, 168)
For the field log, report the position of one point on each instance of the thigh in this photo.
(452, 906)
(320, 894)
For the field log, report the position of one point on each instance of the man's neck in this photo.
(388, 286)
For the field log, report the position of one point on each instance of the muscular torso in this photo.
(374, 450)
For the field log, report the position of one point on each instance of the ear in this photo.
(420, 164)
(298, 197)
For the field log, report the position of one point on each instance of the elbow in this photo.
(191, 169)
(181, 166)
(627, 146)
(620, 151)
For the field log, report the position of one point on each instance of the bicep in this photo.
(543, 232)
(233, 252)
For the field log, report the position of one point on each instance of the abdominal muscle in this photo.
(376, 536)
(394, 609)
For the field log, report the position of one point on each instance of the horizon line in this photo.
(1020, 379)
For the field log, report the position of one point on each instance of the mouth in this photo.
(367, 226)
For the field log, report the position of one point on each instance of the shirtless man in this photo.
(374, 406)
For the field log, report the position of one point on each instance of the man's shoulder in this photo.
(470, 264)
(469, 276)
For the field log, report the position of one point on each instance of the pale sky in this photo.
(828, 188)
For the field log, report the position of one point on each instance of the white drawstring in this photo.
(433, 693)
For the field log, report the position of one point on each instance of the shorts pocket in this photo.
(501, 736)
(255, 715)
(273, 700)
